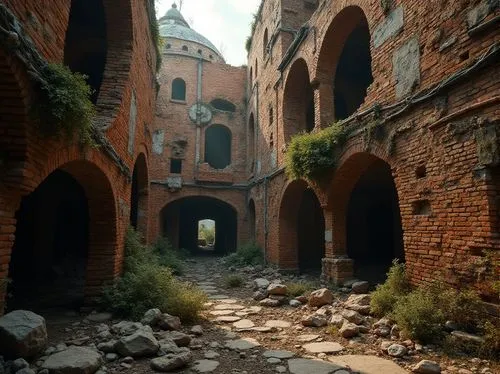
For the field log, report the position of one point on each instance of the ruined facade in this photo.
(64, 207)
(416, 86)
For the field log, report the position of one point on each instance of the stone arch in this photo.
(178, 89)
(251, 142)
(301, 228)
(218, 148)
(180, 217)
(366, 218)
(298, 101)
(97, 32)
(223, 105)
(344, 64)
(139, 199)
(73, 207)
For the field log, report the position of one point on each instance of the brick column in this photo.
(323, 104)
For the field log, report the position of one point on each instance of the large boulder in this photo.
(260, 283)
(171, 362)
(321, 297)
(140, 344)
(427, 367)
(74, 360)
(277, 289)
(151, 317)
(168, 322)
(22, 334)
(359, 303)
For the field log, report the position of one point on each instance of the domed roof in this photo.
(173, 25)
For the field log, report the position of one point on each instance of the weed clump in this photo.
(386, 295)
(146, 283)
(295, 289)
(233, 281)
(247, 255)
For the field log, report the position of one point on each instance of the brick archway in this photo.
(366, 219)
(301, 228)
(340, 66)
(298, 101)
(139, 199)
(100, 216)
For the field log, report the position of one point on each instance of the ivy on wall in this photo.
(310, 155)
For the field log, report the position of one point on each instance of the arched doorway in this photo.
(366, 216)
(218, 146)
(298, 102)
(344, 64)
(139, 195)
(180, 223)
(66, 241)
(301, 229)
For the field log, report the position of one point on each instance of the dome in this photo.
(173, 25)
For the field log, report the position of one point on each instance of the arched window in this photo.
(223, 105)
(185, 48)
(86, 46)
(178, 89)
(264, 45)
(218, 146)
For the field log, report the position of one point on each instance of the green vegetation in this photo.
(206, 233)
(147, 284)
(65, 107)
(168, 256)
(310, 155)
(295, 289)
(386, 295)
(233, 281)
(247, 254)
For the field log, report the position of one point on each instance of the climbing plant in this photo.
(309, 155)
(64, 107)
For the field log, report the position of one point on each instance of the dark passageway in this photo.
(180, 221)
(50, 252)
(374, 232)
(310, 233)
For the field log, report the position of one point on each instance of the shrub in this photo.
(65, 105)
(295, 289)
(168, 256)
(309, 155)
(386, 295)
(147, 284)
(417, 315)
(233, 281)
(247, 254)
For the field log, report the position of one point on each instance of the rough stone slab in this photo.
(390, 26)
(323, 347)
(227, 319)
(278, 323)
(244, 324)
(142, 343)
(218, 297)
(221, 312)
(74, 360)
(171, 362)
(305, 366)
(242, 344)
(205, 366)
(22, 334)
(229, 307)
(263, 329)
(406, 67)
(278, 354)
(307, 338)
(367, 364)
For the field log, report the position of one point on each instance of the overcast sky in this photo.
(226, 23)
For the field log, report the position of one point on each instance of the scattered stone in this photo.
(74, 360)
(25, 371)
(110, 357)
(128, 360)
(306, 366)
(359, 303)
(205, 366)
(278, 354)
(382, 331)
(464, 336)
(361, 287)
(314, 320)
(269, 302)
(211, 355)
(168, 346)
(321, 297)
(242, 344)
(278, 323)
(22, 334)
(295, 303)
(280, 369)
(450, 326)
(197, 330)
(349, 330)
(140, 344)
(427, 367)
(353, 316)
(221, 312)
(227, 319)
(395, 331)
(273, 360)
(107, 347)
(366, 364)
(19, 364)
(383, 322)
(244, 324)
(179, 338)
(307, 338)
(126, 327)
(99, 317)
(323, 347)
(263, 329)
(260, 283)
(168, 322)
(277, 289)
(302, 299)
(337, 320)
(397, 350)
(151, 317)
(171, 362)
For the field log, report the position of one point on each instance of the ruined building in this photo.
(415, 86)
